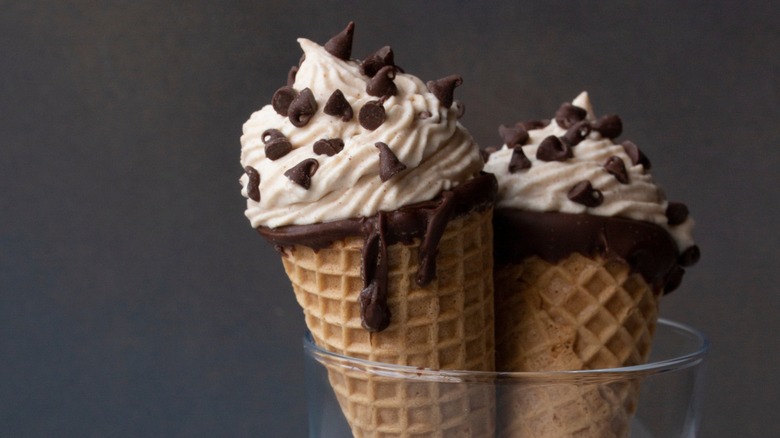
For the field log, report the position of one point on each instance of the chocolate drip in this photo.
(374, 312)
(425, 221)
(646, 247)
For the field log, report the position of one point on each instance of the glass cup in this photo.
(662, 398)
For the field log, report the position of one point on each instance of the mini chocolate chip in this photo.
(576, 133)
(636, 155)
(609, 126)
(553, 149)
(676, 213)
(277, 148)
(673, 279)
(253, 186)
(584, 193)
(533, 124)
(340, 45)
(617, 168)
(291, 75)
(518, 161)
(271, 134)
(375, 61)
(690, 256)
(337, 105)
(329, 147)
(569, 114)
(513, 135)
(282, 99)
(460, 109)
(382, 84)
(302, 108)
(372, 115)
(444, 88)
(302, 172)
(388, 162)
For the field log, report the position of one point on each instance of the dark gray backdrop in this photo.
(135, 300)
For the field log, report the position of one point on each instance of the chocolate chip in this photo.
(277, 148)
(444, 88)
(340, 45)
(302, 108)
(569, 114)
(253, 186)
(690, 256)
(302, 172)
(609, 126)
(460, 109)
(382, 83)
(375, 61)
(552, 149)
(388, 162)
(518, 161)
(636, 155)
(673, 279)
(513, 135)
(533, 124)
(337, 105)
(291, 75)
(617, 168)
(329, 147)
(676, 213)
(576, 133)
(584, 193)
(271, 134)
(282, 100)
(372, 115)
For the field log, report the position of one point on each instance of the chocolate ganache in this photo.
(425, 221)
(647, 248)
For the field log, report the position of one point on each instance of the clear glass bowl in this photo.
(661, 399)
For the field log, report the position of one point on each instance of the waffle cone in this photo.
(447, 324)
(578, 314)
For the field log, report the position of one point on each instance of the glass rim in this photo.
(693, 357)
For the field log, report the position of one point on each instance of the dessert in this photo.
(586, 244)
(372, 192)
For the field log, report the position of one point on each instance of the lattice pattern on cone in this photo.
(448, 324)
(578, 314)
(382, 407)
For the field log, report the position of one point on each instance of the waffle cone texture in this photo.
(446, 324)
(580, 313)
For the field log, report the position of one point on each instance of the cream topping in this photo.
(437, 150)
(545, 186)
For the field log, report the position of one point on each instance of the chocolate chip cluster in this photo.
(300, 106)
(554, 148)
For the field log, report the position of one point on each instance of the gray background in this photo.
(135, 300)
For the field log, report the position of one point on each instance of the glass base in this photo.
(661, 399)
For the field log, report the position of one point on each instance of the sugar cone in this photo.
(578, 314)
(447, 324)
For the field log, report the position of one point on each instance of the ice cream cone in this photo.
(586, 243)
(581, 313)
(447, 324)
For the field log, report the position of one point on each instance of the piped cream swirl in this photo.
(544, 187)
(436, 149)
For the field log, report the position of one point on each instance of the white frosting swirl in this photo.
(545, 185)
(437, 151)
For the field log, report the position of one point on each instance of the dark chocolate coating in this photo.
(646, 247)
